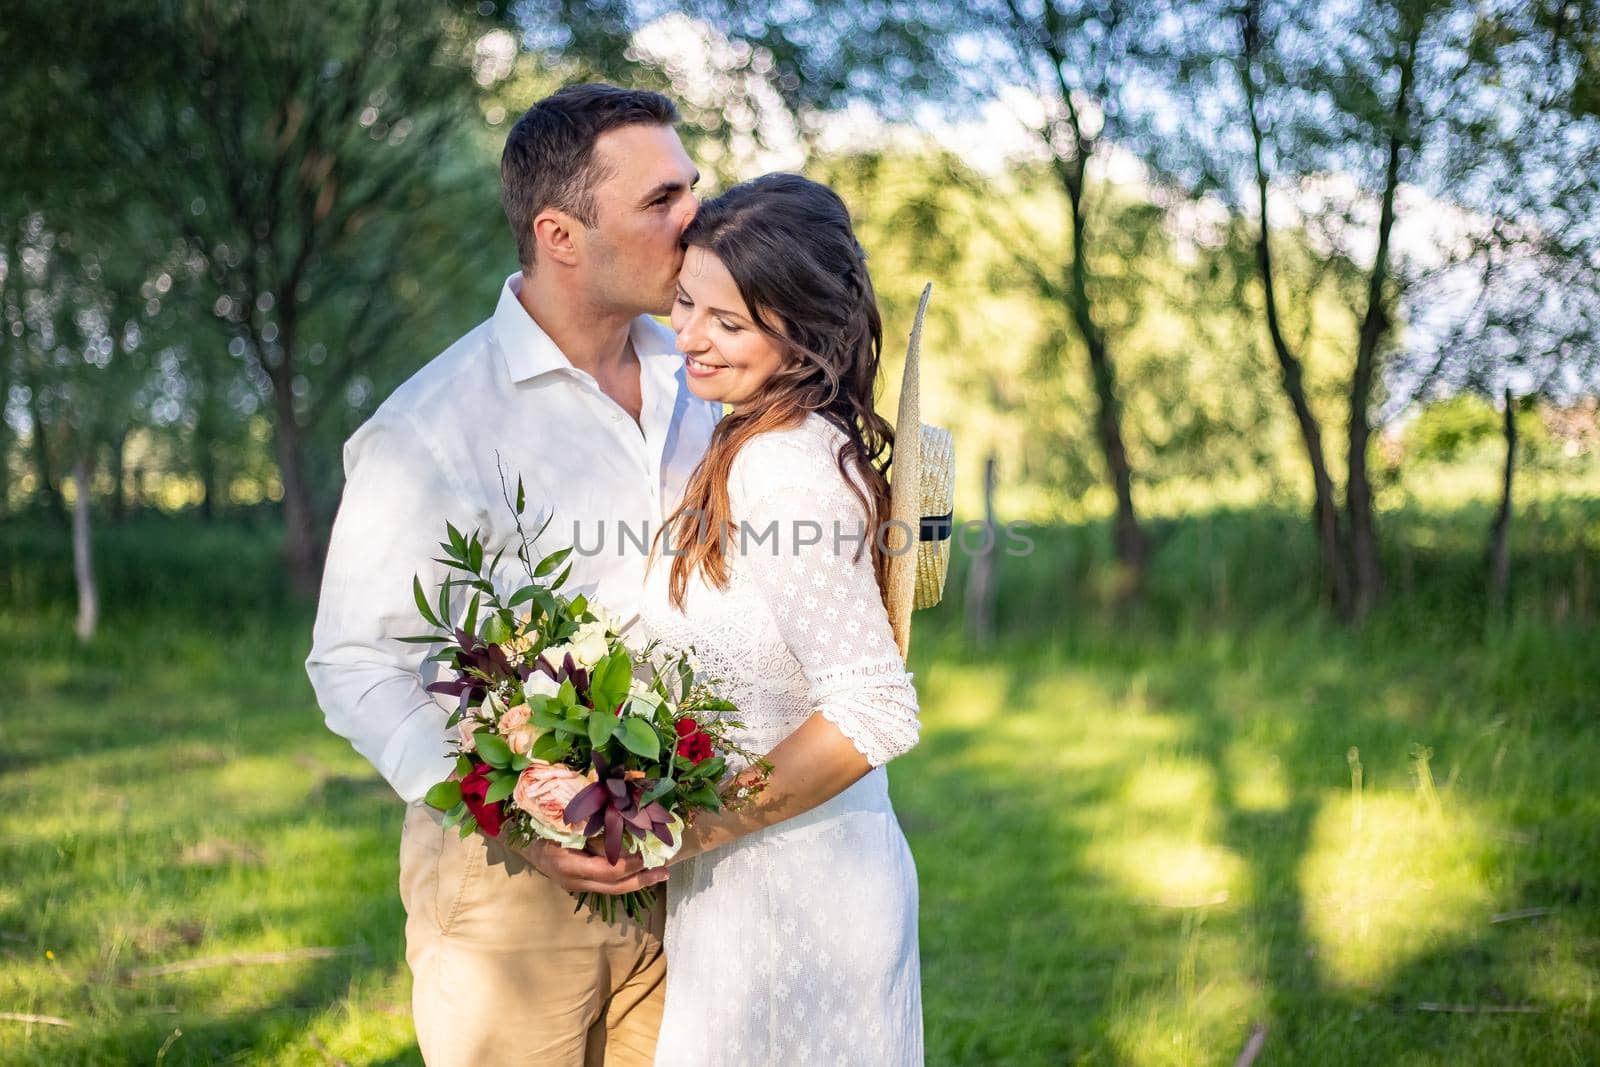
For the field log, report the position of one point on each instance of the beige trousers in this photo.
(505, 972)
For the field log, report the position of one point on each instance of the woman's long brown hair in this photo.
(789, 245)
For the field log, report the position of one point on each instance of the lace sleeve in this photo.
(800, 526)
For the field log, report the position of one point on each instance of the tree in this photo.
(295, 150)
(1312, 118)
(1524, 275)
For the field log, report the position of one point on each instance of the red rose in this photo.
(474, 787)
(693, 744)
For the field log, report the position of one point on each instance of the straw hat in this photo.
(921, 499)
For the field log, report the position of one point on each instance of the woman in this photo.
(791, 930)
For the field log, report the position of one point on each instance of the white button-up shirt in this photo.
(503, 393)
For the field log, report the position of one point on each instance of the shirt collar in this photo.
(529, 351)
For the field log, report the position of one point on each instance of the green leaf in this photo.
(520, 763)
(422, 602)
(657, 791)
(470, 624)
(500, 787)
(608, 685)
(523, 595)
(496, 630)
(567, 695)
(421, 639)
(639, 738)
(444, 795)
(561, 579)
(468, 825)
(457, 543)
(522, 498)
(463, 765)
(475, 554)
(579, 604)
(551, 747)
(493, 749)
(548, 565)
(711, 768)
(602, 724)
(546, 719)
(444, 601)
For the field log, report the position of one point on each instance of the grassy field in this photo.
(1139, 836)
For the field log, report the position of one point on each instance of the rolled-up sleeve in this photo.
(823, 594)
(398, 495)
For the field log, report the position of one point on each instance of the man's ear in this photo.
(557, 235)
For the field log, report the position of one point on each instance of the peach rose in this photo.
(543, 791)
(517, 731)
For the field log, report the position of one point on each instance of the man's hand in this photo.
(581, 872)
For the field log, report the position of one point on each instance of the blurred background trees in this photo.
(1187, 256)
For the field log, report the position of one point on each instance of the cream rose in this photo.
(556, 655)
(655, 852)
(543, 791)
(589, 644)
(540, 684)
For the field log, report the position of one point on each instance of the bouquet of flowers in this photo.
(563, 732)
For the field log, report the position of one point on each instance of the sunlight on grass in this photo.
(1200, 1010)
(1156, 839)
(1169, 870)
(1389, 877)
(1257, 777)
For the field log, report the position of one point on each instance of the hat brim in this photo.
(905, 483)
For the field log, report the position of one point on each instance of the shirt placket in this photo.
(636, 439)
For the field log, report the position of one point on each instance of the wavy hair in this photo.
(788, 243)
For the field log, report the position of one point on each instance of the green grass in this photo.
(1138, 834)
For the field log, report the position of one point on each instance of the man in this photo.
(572, 387)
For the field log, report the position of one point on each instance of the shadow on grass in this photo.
(207, 816)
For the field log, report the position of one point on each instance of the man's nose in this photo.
(691, 208)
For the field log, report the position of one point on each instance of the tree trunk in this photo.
(203, 443)
(49, 493)
(1500, 539)
(118, 446)
(1132, 548)
(1366, 574)
(981, 578)
(1325, 508)
(299, 528)
(5, 431)
(82, 556)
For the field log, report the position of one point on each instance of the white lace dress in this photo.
(797, 944)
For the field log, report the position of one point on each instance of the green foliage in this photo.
(1188, 832)
(1441, 431)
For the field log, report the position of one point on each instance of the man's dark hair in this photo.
(549, 156)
